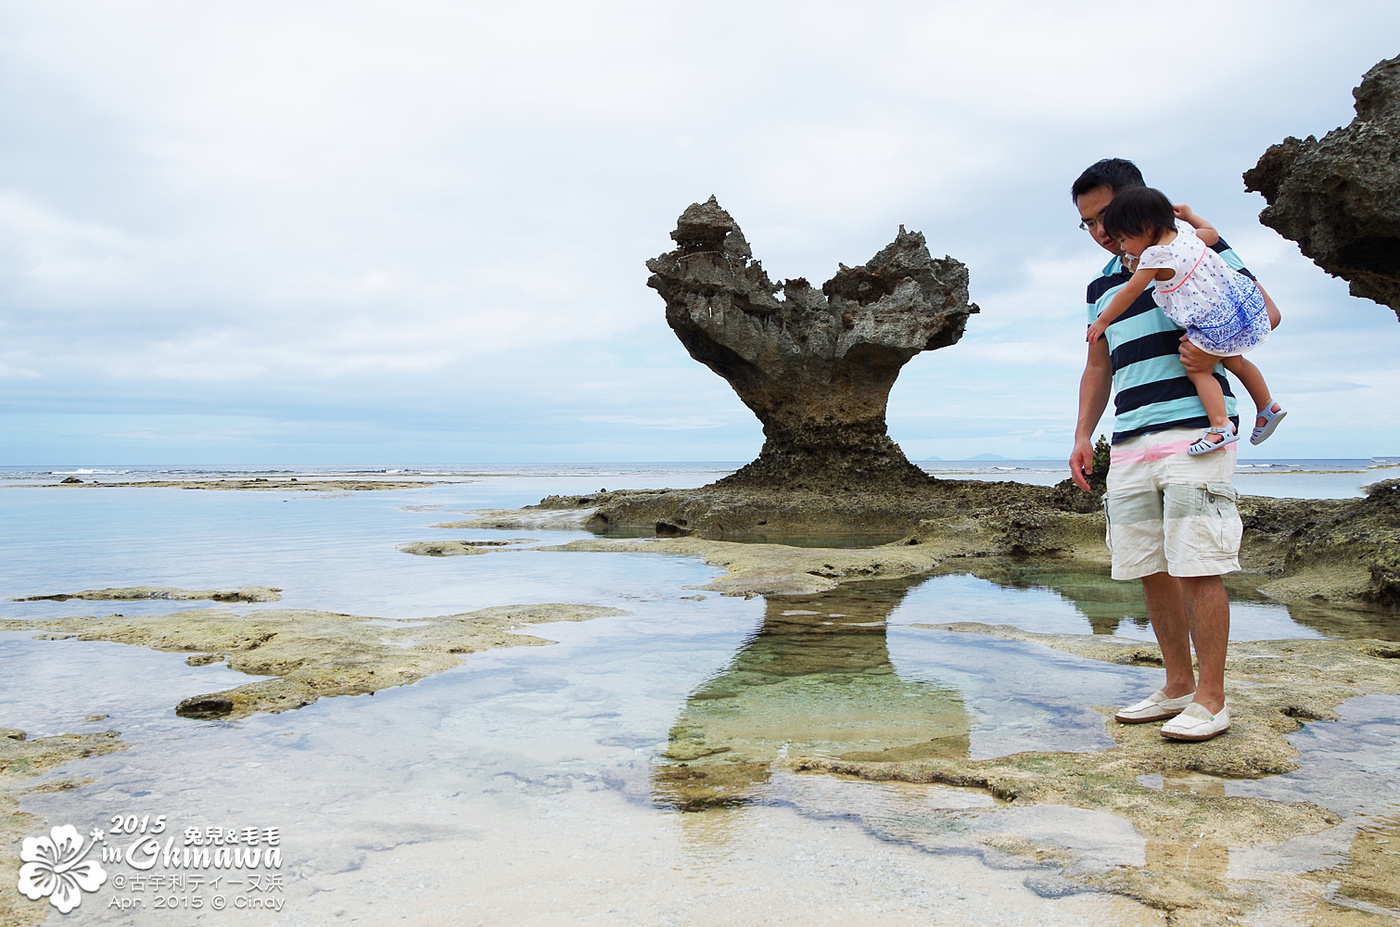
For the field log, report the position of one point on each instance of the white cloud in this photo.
(52, 251)
(372, 214)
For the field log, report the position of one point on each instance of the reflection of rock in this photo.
(1337, 198)
(1108, 604)
(1369, 878)
(815, 680)
(816, 367)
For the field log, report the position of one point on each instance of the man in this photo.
(1172, 519)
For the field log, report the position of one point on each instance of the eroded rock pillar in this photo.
(815, 366)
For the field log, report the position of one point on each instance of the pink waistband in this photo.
(1150, 453)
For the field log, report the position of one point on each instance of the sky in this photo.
(414, 233)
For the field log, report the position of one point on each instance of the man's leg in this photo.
(1208, 614)
(1167, 610)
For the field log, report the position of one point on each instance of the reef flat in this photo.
(1336, 550)
(22, 760)
(161, 593)
(1192, 826)
(259, 484)
(311, 654)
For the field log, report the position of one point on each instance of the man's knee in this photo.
(1195, 587)
(1205, 596)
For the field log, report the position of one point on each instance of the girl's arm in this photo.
(1204, 230)
(1124, 298)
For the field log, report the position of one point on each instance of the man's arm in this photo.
(1095, 386)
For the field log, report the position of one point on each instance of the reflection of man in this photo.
(1172, 520)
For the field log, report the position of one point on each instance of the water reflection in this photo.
(1203, 863)
(1369, 879)
(816, 678)
(1113, 607)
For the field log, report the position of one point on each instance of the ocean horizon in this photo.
(1298, 478)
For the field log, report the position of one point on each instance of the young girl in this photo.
(1223, 311)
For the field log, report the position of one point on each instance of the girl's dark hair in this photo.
(1139, 210)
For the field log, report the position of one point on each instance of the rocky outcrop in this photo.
(815, 366)
(1337, 197)
(1313, 550)
(309, 655)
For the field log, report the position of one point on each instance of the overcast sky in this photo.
(277, 233)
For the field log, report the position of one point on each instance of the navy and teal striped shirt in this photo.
(1151, 389)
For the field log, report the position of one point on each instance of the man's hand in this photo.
(1081, 463)
(1194, 359)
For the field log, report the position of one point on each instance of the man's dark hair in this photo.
(1139, 210)
(1114, 173)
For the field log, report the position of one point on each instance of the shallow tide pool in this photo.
(627, 773)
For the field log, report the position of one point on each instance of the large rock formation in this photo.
(816, 367)
(1339, 198)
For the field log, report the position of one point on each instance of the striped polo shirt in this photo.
(1151, 389)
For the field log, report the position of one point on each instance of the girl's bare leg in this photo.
(1212, 398)
(1253, 381)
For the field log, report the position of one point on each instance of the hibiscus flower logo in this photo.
(54, 867)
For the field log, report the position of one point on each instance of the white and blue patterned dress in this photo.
(1222, 311)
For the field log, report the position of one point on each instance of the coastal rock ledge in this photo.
(815, 366)
(1344, 551)
(1336, 197)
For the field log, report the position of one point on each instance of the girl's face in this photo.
(1136, 243)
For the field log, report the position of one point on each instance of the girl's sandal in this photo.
(1204, 445)
(1271, 419)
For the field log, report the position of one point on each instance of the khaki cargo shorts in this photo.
(1171, 512)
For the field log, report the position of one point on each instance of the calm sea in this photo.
(534, 784)
(1339, 478)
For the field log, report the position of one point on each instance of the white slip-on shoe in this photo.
(1197, 723)
(1156, 707)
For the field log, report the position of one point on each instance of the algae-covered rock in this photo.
(157, 593)
(1324, 550)
(312, 654)
(21, 761)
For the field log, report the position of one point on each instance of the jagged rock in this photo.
(816, 367)
(1337, 198)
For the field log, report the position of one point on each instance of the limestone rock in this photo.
(815, 366)
(1337, 197)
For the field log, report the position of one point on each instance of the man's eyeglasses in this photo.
(1089, 225)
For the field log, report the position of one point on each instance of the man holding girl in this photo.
(1172, 517)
